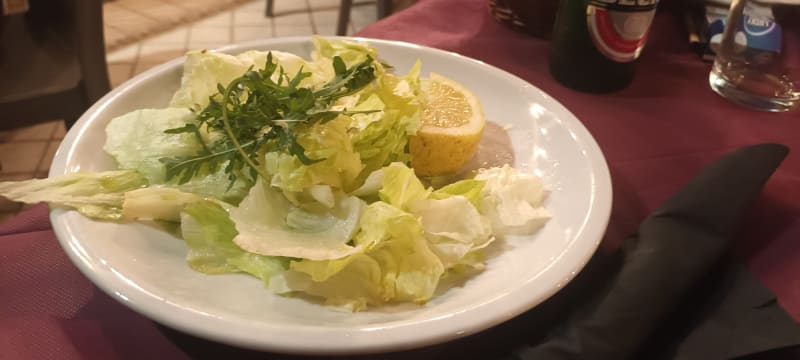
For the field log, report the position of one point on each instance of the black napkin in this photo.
(677, 294)
(670, 292)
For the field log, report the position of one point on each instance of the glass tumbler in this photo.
(756, 62)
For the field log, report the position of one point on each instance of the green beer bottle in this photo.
(595, 43)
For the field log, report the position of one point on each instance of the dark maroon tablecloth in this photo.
(655, 135)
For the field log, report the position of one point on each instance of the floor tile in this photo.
(248, 33)
(166, 14)
(293, 19)
(293, 24)
(363, 15)
(123, 55)
(60, 130)
(41, 131)
(259, 5)
(49, 154)
(124, 18)
(250, 16)
(222, 19)
(283, 7)
(326, 21)
(159, 53)
(155, 9)
(144, 66)
(112, 35)
(210, 45)
(178, 35)
(21, 157)
(118, 73)
(329, 30)
(199, 7)
(324, 4)
(351, 29)
(325, 17)
(201, 36)
(293, 30)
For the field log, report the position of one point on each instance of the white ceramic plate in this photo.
(144, 268)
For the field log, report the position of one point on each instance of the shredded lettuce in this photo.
(351, 52)
(471, 189)
(512, 200)
(453, 227)
(382, 138)
(330, 143)
(452, 224)
(401, 187)
(137, 141)
(394, 263)
(204, 70)
(261, 221)
(209, 233)
(404, 244)
(96, 195)
(156, 203)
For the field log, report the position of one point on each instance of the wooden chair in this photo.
(384, 9)
(52, 62)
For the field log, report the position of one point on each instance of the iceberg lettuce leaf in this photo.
(470, 189)
(124, 141)
(452, 226)
(351, 52)
(394, 263)
(401, 187)
(512, 200)
(382, 137)
(137, 140)
(202, 72)
(261, 222)
(352, 289)
(209, 232)
(96, 195)
(156, 203)
(338, 164)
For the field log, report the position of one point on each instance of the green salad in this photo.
(296, 172)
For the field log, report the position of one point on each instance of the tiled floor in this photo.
(127, 21)
(27, 153)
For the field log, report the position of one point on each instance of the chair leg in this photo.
(91, 50)
(384, 8)
(270, 8)
(344, 17)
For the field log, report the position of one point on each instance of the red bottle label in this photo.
(619, 28)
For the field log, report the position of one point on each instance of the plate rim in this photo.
(170, 314)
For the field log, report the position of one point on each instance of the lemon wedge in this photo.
(452, 125)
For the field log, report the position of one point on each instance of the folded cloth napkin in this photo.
(669, 292)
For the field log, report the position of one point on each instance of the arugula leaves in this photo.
(256, 114)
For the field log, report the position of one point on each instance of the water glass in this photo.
(750, 67)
